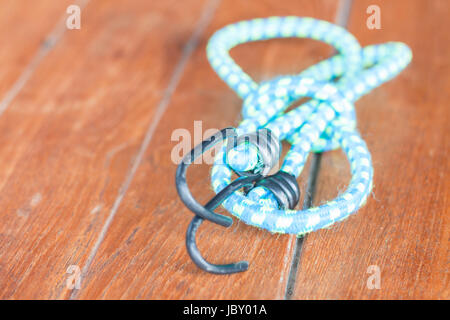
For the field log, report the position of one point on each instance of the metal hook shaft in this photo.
(191, 244)
(182, 186)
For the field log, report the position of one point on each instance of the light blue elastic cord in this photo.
(325, 122)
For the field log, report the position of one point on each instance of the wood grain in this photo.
(68, 140)
(79, 186)
(25, 30)
(143, 255)
(404, 228)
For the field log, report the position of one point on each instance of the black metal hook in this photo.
(283, 185)
(182, 187)
(206, 212)
(191, 245)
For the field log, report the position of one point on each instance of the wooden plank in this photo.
(404, 227)
(143, 255)
(24, 28)
(68, 140)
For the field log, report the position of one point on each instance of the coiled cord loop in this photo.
(325, 122)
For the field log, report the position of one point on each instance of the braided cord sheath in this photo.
(325, 122)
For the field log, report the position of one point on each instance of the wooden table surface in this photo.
(87, 181)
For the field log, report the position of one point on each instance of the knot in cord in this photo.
(325, 122)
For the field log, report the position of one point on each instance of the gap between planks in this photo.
(49, 43)
(56, 35)
(191, 45)
(342, 17)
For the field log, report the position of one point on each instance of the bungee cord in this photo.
(326, 122)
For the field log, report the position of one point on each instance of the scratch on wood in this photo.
(51, 40)
(26, 209)
(97, 208)
(111, 153)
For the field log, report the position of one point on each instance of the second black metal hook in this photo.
(191, 244)
(207, 211)
(283, 185)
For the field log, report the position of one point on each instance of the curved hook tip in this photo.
(241, 266)
(195, 255)
(231, 268)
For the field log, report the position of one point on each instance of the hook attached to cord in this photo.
(283, 185)
(207, 211)
(191, 245)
